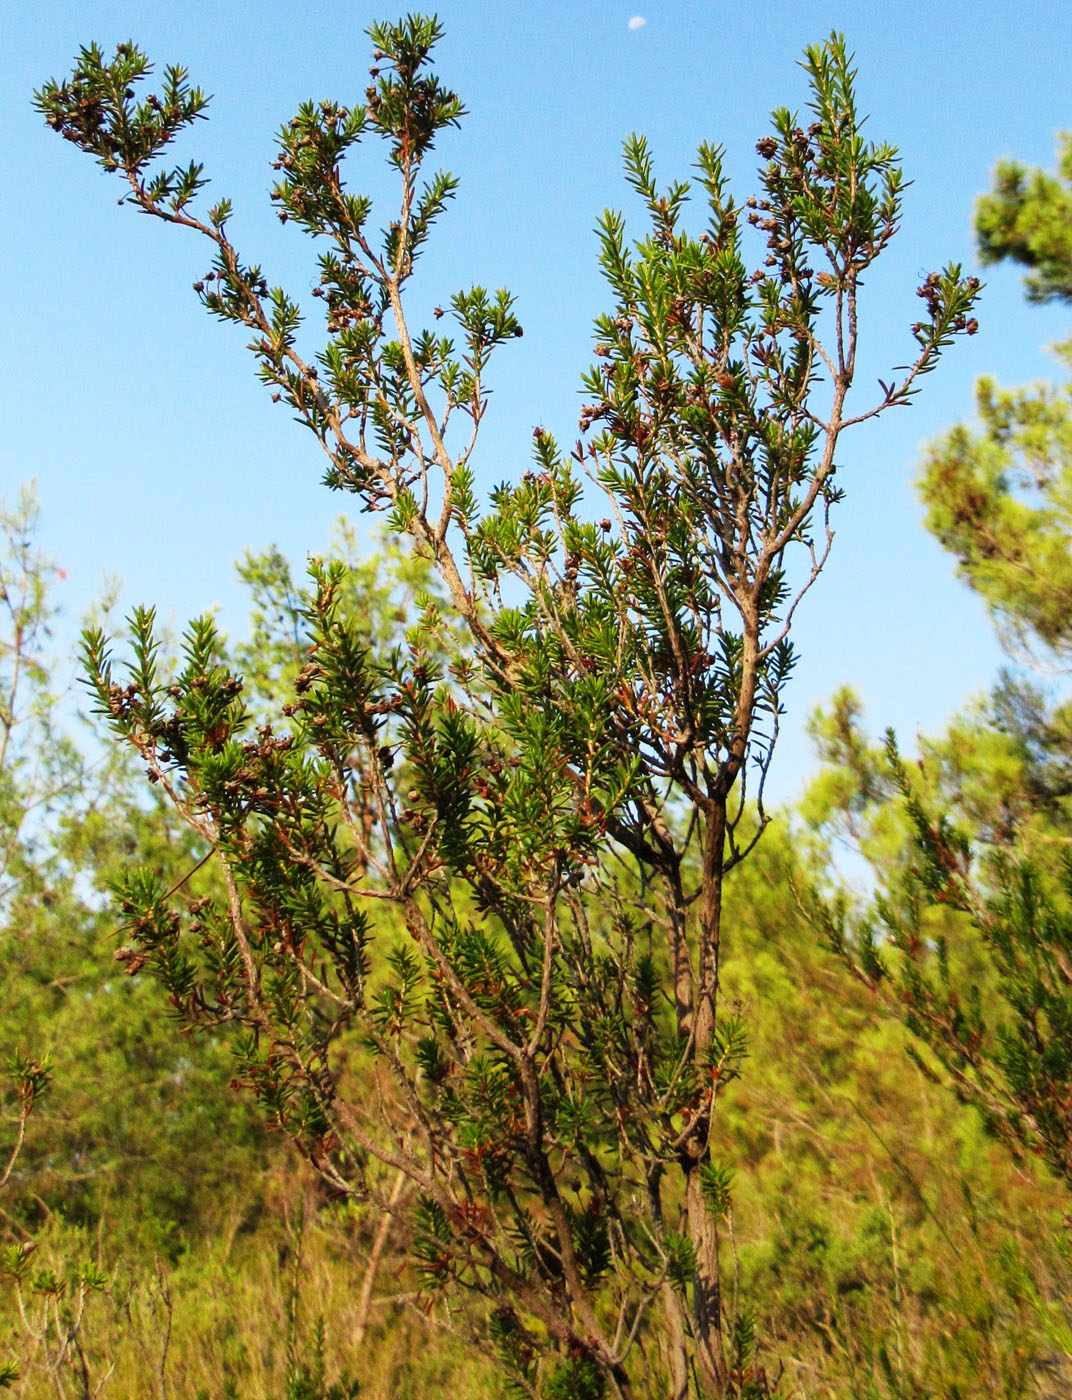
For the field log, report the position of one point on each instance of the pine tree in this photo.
(972, 930)
(1027, 218)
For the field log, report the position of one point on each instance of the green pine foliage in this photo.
(971, 922)
(966, 935)
(997, 495)
(998, 498)
(1027, 218)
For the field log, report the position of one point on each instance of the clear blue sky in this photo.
(160, 458)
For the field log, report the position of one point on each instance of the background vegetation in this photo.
(898, 1135)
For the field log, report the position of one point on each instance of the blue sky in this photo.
(160, 458)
